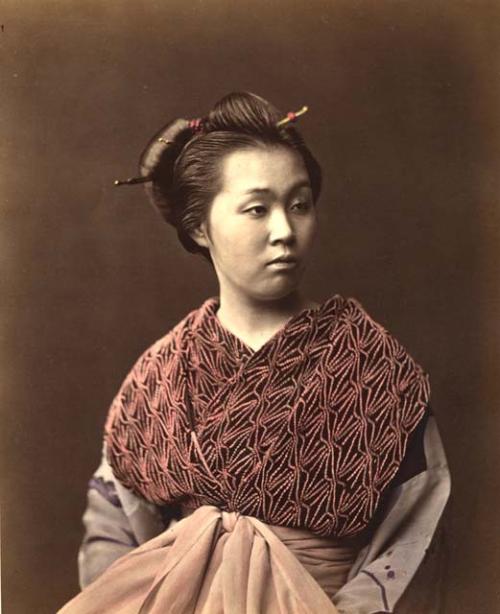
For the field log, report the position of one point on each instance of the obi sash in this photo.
(215, 562)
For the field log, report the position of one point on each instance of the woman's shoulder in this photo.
(349, 307)
(170, 345)
(159, 367)
(355, 311)
(165, 355)
(376, 341)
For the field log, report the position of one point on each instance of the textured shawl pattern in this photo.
(305, 432)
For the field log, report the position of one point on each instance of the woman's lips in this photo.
(283, 264)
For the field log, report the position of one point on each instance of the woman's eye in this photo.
(256, 211)
(301, 205)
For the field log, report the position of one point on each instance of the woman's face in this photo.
(264, 211)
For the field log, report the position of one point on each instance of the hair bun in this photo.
(158, 159)
(171, 138)
(244, 112)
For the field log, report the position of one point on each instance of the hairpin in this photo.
(132, 180)
(291, 117)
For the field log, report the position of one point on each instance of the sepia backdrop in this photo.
(404, 104)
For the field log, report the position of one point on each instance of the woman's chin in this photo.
(279, 291)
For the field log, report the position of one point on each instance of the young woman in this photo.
(270, 453)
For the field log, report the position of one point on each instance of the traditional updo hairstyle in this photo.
(181, 165)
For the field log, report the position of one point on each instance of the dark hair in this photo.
(183, 164)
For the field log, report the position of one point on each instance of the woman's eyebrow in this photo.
(257, 191)
(303, 183)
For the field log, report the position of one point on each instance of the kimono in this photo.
(326, 431)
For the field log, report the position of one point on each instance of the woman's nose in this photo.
(280, 228)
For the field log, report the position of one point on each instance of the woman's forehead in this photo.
(261, 168)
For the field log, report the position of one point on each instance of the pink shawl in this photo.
(306, 432)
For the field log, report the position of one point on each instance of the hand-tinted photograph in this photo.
(250, 306)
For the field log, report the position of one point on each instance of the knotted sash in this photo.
(215, 562)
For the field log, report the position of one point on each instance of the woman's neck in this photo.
(255, 321)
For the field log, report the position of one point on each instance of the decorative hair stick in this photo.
(132, 180)
(291, 117)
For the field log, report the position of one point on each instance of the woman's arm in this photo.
(400, 544)
(116, 521)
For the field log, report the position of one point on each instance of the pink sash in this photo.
(215, 562)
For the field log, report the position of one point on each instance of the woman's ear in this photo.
(200, 235)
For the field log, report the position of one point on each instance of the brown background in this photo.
(404, 100)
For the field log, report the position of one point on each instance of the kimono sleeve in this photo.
(116, 521)
(405, 540)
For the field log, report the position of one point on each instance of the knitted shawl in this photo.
(305, 432)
